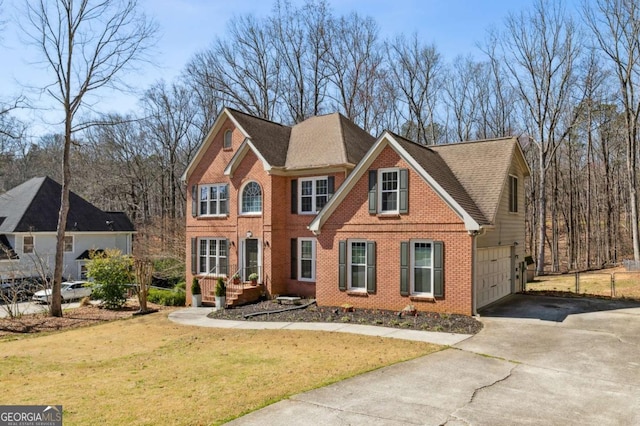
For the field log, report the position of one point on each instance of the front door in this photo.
(250, 257)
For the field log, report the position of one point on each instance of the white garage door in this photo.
(494, 274)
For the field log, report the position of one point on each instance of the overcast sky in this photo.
(189, 26)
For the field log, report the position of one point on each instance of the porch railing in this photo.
(208, 282)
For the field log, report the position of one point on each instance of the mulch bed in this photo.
(73, 318)
(429, 321)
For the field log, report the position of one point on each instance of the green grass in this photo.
(149, 371)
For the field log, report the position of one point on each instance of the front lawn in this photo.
(147, 370)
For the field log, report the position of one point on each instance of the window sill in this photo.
(357, 293)
(428, 299)
(250, 214)
(389, 215)
(211, 216)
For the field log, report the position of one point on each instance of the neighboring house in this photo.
(323, 209)
(28, 223)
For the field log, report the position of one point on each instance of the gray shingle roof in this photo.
(319, 141)
(33, 206)
(326, 140)
(271, 139)
(439, 169)
(481, 167)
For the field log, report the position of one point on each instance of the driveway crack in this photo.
(475, 392)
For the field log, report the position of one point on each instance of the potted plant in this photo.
(253, 278)
(196, 293)
(221, 294)
(236, 278)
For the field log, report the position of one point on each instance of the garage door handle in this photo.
(495, 285)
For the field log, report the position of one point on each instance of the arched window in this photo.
(251, 198)
(227, 139)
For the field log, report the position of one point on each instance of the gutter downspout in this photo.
(474, 269)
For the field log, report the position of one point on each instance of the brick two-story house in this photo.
(322, 209)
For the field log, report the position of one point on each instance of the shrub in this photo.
(181, 286)
(221, 287)
(195, 286)
(166, 297)
(111, 272)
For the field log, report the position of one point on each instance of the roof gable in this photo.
(453, 171)
(34, 205)
(482, 168)
(317, 142)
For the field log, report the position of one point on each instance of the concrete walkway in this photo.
(198, 317)
(538, 361)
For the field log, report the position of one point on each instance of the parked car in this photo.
(19, 289)
(70, 290)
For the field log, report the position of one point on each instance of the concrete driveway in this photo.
(539, 360)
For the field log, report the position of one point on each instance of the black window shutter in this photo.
(294, 258)
(371, 266)
(194, 200)
(294, 196)
(438, 269)
(194, 255)
(342, 265)
(225, 263)
(226, 205)
(404, 268)
(404, 191)
(373, 196)
(331, 183)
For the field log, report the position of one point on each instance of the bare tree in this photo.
(540, 48)
(462, 91)
(356, 64)
(86, 46)
(616, 27)
(298, 37)
(416, 70)
(241, 69)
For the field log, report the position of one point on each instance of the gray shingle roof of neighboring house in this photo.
(443, 172)
(481, 167)
(320, 141)
(33, 206)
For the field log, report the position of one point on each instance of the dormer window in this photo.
(227, 139)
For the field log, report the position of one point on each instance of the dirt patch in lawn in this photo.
(427, 321)
(73, 318)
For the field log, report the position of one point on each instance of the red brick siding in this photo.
(275, 226)
(429, 218)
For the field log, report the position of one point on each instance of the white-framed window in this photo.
(251, 201)
(314, 194)
(28, 244)
(422, 267)
(389, 190)
(306, 259)
(68, 243)
(513, 194)
(212, 256)
(213, 199)
(357, 255)
(82, 270)
(227, 139)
